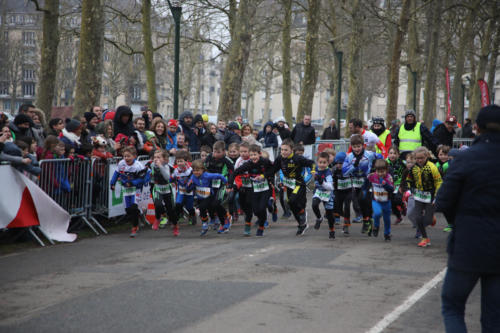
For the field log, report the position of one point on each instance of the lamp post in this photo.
(339, 55)
(176, 10)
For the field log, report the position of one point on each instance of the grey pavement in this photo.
(226, 283)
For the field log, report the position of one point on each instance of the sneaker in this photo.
(227, 224)
(369, 229)
(163, 222)
(176, 230)
(365, 226)
(266, 224)
(387, 238)
(301, 229)
(424, 242)
(286, 215)
(318, 223)
(248, 230)
(204, 228)
(192, 220)
(275, 216)
(448, 228)
(260, 232)
(375, 231)
(345, 230)
(331, 235)
(133, 233)
(418, 234)
(214, 223)
(221, 229)
(337, 220)
(235, 217)
(155, 225)
(357, 219)
(398, 220)
(270, 204)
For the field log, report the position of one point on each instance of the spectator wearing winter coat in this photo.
(21, 126)
(232, 134)
(303, 132)
(284, 131)
(209, 138)
(38, 128)
(413, 134)
(17, 153)
(55, 127)
(105, 129)
(331, 132)
(469, 196)
(443, 133)
(467, 132)
(267, 137)
(199, 127)
(92, 121)
(221, 130)
(186, 125)
(123, 122)
(435, 123)
(71, 134)
(172, 129)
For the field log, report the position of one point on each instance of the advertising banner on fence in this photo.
(116, 203)
(24, 204)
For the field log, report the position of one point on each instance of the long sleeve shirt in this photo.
(203, 185)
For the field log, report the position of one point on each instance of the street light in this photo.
(339, 55)
(176, 9)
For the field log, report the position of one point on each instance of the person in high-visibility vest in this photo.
(378, 128)
(413, 134)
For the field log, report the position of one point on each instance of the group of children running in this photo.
(244, 181)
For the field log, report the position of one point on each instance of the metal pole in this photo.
(463, 102)
(339, 87)
(176, 13)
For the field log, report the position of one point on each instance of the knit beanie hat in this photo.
(487, 115)
(89, 115)
(22, 118)
(411, 112)
(72, 125)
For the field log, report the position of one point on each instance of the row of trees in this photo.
(286, 46)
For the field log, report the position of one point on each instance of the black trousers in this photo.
(365, 203)
(297, 201)
(342, 203)
(164, 203)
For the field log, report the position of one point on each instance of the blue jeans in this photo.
(456, 289)
(382, 209)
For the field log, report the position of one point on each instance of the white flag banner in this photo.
(308, 151)
(270, 151)
(24, 204)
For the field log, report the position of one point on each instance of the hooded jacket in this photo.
(442, 136)
(119, 127)
(194, 144)
(270, 139)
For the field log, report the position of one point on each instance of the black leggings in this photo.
(297, 200)
(397, 204)
(283, 203)
(246, 203)
(365, 204)
(164, 203)
(342, 203)
(213, 205)
(328, 212)
(259, 206)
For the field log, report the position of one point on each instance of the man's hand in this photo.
(26, 160)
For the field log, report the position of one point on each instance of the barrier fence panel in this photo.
(459, 142)
(337, 145)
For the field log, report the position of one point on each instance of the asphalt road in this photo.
(226, 283)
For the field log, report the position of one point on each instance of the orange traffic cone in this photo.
(150, 213)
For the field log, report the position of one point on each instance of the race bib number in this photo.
(423, 196)
(246, 182)
(323, 195)
(358, 182)
(344, 184)
(215, 183)
(379, 193)
(203, 192)
(289, 182)
(260, 186)
(129, 190)
(162, 189)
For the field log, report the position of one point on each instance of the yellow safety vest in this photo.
(382, 138)
(409, 140)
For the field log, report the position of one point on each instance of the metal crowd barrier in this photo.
(459, 142)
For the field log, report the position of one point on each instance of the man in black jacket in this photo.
(304, 133)
(469, 197)
(331, 132)
(444, 132)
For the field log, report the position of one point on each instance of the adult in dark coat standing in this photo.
(331, 132)
(469, 197)
(303, 132)
(186, 125)
(123, 122)
(444, 132)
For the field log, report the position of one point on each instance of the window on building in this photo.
(136, 93)
(4, 88)
(20, 19)
(6, 35)
(6, 105)
(105, 90)
(30, 19)
(29, 38)
(28, 89)
(29, 74)
(12, 20)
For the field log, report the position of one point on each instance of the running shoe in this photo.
(337, 220)
(204, 228)
(357, 219)
(266, 224)
(424, 242)
(365, 226)
(248, 230)
(260, 232)
(301, 229)
(388, 237)
(286, 214)
(176, 230)
(418, 234)
(448, 228)
(331, 235)
(275, 216)
(163, 222)
(133, 233)
(155, 225)
(375, 231)
(345, 230)
(192, 220)
(318, 223)
(398, 220)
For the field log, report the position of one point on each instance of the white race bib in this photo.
(422, 196)
(289, 182)
(215, 183)
(246, 182)
(162, 189)
(129, 190)
(357, 182)
(344, 184)
(203, 192)
(260, 186)
(323, 195)
(379, 193)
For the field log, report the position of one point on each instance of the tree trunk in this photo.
(355, 89)
(90, 57)
(48, 62)
(230, 97)
(331, 107)
(392, 101)
(413, 61)
(311, 67)
(475, 101)
(432, 61)
(465, 40)
(251, 109)
(285, 60)
(268, 90)
(492, 66)
(149, 55)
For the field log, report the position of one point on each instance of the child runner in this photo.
(259, 171)
(323, 193)
(272, 207)
(132, 175)
(243, 185)
(204, 152)
(233, 153)
(382, 186)
(343, 192)
(357, 165)
(292, 166)
(181, 175)
(163, 194)
(396, 169)
(202, 183)
(442, 165)
(427, 182)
